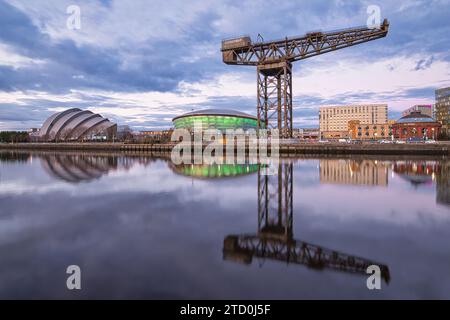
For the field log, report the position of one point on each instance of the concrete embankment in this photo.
(287, 149)
(367, 149)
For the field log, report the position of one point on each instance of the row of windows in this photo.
(349, 117)
(354, 109)
(357, 112)
(368, 134)
(414, 131)
(368, 128)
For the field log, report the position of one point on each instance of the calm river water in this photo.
(141, 227)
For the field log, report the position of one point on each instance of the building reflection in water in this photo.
(443, 184)
(84, 167)
(77, 168)
(214, 170)
(427, 172)
(274, 239)
(356, 172)
(417, 172)
(376, 173)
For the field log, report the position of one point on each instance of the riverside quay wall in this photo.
(291, 149)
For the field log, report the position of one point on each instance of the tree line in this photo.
(14, 136)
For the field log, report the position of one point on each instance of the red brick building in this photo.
(416, 126)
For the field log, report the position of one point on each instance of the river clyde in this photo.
(141, 227)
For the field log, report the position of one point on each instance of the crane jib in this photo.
(273, 60)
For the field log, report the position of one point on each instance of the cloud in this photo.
(142, 67)
(16, 61)
(424, 64)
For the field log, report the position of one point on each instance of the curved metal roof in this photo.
(416, 118)
(72, 124)
(100, 126)
(55, 131)
(50, 122)
(217, 112)
(83, 129)
(75, 123)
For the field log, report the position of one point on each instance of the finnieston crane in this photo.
(274, 59)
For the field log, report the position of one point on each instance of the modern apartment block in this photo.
(426, 109)
(334, 120)
(442, 109)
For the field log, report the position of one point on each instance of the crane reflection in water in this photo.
(274, 239)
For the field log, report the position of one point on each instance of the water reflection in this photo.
(371, 172)
(426, 173)
(274, 239)
(355, 172)
(14, 156)
(213, 171)
(77, 168)
(417, 172)
(132, 213)
(443, 184)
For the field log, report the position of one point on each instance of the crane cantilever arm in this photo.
(244, 248)
(299, 48)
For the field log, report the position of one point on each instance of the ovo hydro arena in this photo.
(218, 119)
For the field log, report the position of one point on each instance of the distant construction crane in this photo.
(274, 59)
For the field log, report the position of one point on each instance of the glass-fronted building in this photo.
(442, 110)
(218, 119)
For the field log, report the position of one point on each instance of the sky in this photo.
(140, 63)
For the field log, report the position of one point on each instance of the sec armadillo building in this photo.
(218, 119)
(76, 125)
